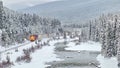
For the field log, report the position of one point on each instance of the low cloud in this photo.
(21, 4)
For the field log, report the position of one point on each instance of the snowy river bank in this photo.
(63, 55)
(73, 59)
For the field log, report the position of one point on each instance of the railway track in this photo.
(14, 47)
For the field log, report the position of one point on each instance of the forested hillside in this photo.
(18, 26)
(106, 30)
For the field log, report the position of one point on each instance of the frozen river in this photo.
(73, 59)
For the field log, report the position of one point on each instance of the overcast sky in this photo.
(21, 4)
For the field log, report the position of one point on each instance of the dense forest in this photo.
(16, 26)
(106, 30)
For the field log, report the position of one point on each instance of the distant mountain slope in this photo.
(75, 11)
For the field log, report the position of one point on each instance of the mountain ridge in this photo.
(76, 11)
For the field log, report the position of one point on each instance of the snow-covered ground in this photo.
(89, 46)
(14, 54)
(94, 46)
(39, 58)
(107, 62)
(46, 54)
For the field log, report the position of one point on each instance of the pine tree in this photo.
(1, 14)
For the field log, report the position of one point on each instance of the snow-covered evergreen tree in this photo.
(106, 30)
(1, 14)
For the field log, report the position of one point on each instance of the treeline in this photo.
(106, 30)
(75, 25)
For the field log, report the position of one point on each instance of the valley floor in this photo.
(62, 54)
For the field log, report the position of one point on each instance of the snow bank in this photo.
(39, 58)
(107, 63)
(13, 55)
(89, 46)
(94, 46)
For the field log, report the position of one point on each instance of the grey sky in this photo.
(21, 4)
